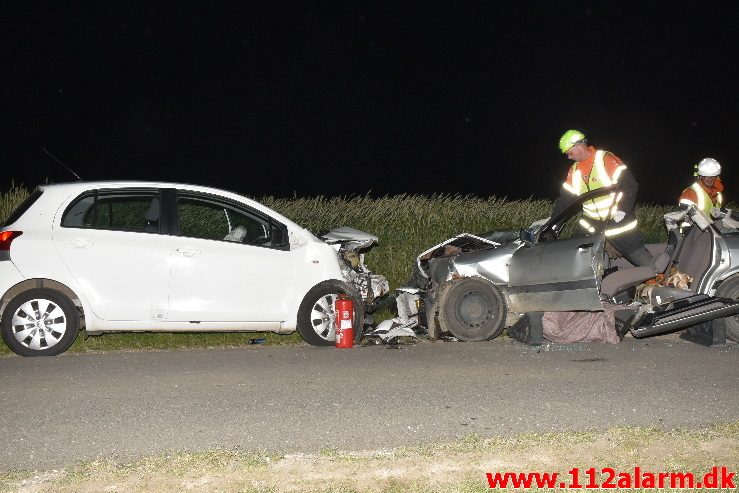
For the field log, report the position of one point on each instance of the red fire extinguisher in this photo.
(344, 309)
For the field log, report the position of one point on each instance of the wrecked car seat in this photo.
(695, 255)
(624, 279)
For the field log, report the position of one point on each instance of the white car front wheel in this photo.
(40, 322)
(316, 316)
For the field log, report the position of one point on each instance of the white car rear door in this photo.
(110, 242)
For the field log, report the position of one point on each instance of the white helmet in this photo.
(709, 167)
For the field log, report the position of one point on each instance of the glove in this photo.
(619, 216)
(716, 213)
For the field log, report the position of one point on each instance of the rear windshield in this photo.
(23, 207)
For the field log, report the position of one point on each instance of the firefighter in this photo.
(594, 169)
(705, 193)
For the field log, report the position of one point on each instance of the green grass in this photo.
(406, 225)
(163, 341)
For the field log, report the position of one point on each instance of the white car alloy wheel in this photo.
(323, 317)
(40, 322)
(316, 315)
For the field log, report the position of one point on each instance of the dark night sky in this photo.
(350, 97)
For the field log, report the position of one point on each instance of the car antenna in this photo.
(58, 161)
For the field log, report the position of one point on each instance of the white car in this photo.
(149, 256)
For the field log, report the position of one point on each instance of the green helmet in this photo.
(569, 139)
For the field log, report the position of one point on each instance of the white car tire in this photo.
(40, 322)
(316, 315)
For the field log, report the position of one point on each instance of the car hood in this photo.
(347, 236)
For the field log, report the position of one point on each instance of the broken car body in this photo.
(474, 286)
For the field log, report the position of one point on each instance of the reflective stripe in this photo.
(600, 208)
(705, 203)
(687, 202)
(621, 229)
(587, 226)
(599, 175)
(602, 203)
(614, 209)
(617, 172)
(700, 194)
(600, 167)
(612, 231)
(574, 186)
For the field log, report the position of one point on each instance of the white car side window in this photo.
(118, 210)
(208, 219)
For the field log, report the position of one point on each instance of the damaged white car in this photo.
(473, 286)
(150, 256)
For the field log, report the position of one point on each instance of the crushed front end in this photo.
(351, 245)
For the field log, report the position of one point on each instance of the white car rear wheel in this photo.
(40, 322)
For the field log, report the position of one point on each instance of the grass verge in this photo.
(459, 466)
(161, 341)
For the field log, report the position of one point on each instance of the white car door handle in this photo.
(80, 242)
(188, 252)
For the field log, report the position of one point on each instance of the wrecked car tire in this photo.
(316, 313)
(472, 309)
(730, 289)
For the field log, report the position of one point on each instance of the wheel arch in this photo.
(36, 283)
(328, 282)
(291, 323)
(734, 273)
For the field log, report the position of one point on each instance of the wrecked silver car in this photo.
(474, 286)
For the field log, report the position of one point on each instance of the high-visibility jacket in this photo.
(704, 198)
(600, 169)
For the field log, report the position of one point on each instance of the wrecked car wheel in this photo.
(316, 315)
(472, 310)
(730, 289)
(40, 322)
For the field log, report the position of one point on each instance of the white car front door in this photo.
(109, 241)
(224, 265)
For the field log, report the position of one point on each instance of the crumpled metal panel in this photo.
(565, 300)
(350, 243)
(490, 264)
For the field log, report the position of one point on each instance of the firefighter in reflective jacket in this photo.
(594, 169)
(705, 193)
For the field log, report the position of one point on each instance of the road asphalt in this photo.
(123, 405)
